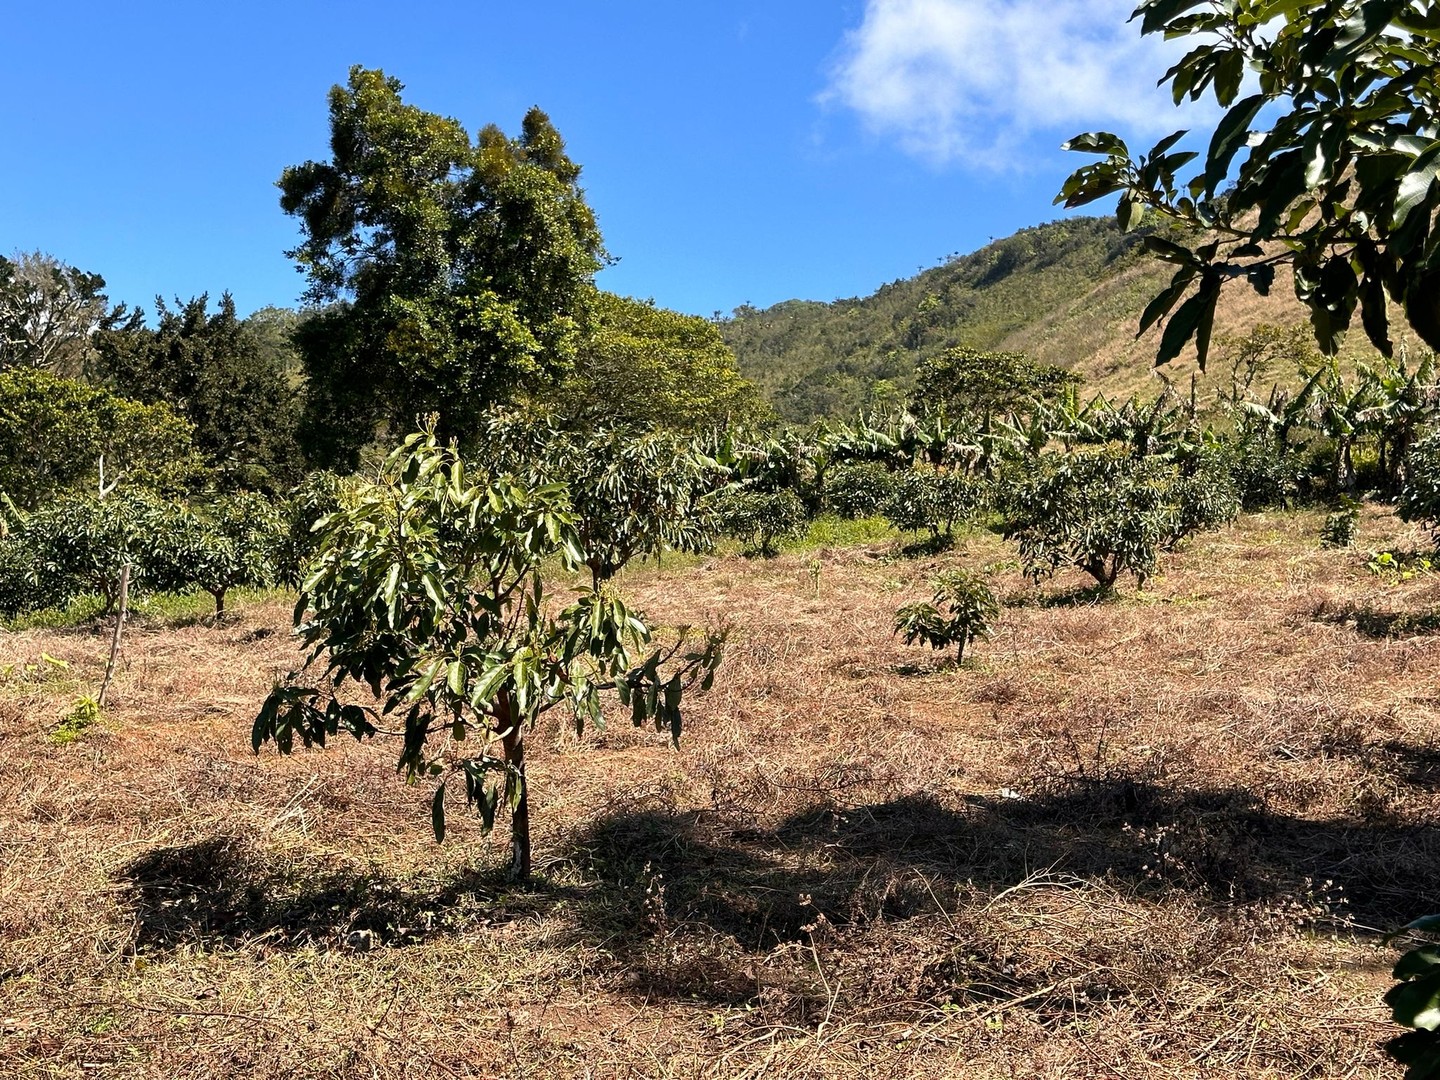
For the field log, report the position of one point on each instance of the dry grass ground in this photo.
(1147, 838)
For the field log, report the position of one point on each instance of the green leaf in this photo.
(1416, 1003)
(1160, 306)
(1261, 277)
(1171, 252)
(1420, 1051)
(1180, 329)
(1208, 296)
(1374, 314)
(455, 680)
(1421, 961)
(1130, 212)
(1158, 150)
(422, 686)
(1097, 142)
(1156, 14)
(1415, 185)
(437, 814)
(1230, 135)
(1229, 71)
(1321, 148)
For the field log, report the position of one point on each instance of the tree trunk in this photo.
(513, 742)
(1345, 467)
(219, 604)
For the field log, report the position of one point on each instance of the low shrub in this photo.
(927, 500)
(962, 609)
(1108, 513)
(859, 490)
(759, 519)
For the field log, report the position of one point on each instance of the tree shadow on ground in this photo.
(928, 545)
(1073, 596)
(1416, 765)
(894, 859)
(226, 891)
(1380, 625)
(695, 904)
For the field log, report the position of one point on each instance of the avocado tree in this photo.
(759, 518)
(80, 544)
(933, 500)
(963, 381)
(632, 495)
(428, 591)
(636, 496)
(238, 540)
(1106, 513)
(1339, 122)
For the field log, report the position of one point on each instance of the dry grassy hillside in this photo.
(1069, 292)
(1157, 837)
(1095, 334)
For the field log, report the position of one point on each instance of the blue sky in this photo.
(734, 152)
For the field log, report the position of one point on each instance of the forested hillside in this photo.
(1068, 292)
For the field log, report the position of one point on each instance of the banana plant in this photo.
(1404, 401)
(1343, 414)
(1281, 414)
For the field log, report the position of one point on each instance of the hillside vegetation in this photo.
(1068, 293)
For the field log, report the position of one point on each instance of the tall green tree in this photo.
(214, 371)
(457, 268)
(642, 366)
(1342, 184)
(50, 313)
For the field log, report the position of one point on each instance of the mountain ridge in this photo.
(1067, 292)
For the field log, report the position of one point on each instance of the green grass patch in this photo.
(163, 609)
(829, 530)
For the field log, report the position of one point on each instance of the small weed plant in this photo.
(1341, 525)
(1397, 566)
(84, 715)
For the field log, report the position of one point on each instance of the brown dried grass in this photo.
(1150, 837)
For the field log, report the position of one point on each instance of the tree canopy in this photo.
(212, 369)
(457, 268)
(54, 433)
(966, 381)
(50, 312)
(643, 366)
(1341, 185)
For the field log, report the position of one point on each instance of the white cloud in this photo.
(980, 79)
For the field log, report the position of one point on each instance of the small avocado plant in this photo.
(1415, 1003)
(963, 608)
